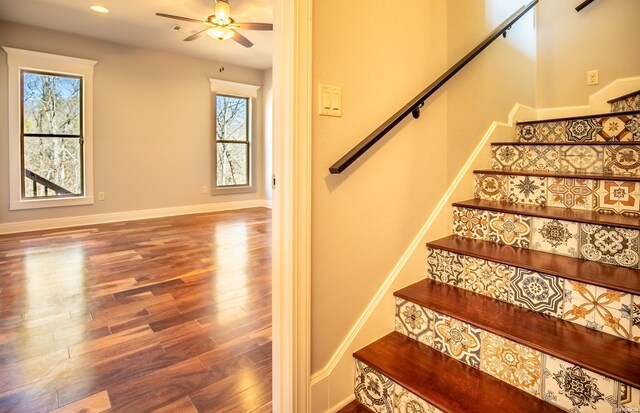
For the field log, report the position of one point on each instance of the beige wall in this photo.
(603, 36)
(364, 219)
(152, 124)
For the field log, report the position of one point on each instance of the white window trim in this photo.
(242, 90)
(17, 60)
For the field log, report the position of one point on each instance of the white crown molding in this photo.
(234, 88)
(14, 53)
(44, 224)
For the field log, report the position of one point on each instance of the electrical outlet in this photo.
(592, 77)
(100, 196)
(204, 189)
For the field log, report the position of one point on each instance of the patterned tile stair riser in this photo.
(622, 127)
(382, 395)
(600, 159)
(606, 197)
(612, 312)
(628, 104)
(556, 381)
(609, 245)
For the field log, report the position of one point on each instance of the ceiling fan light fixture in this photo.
(222, 11)
(220, 33)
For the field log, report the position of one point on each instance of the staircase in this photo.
(532, 305)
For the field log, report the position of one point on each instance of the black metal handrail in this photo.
(414, 106)
(584, 4)
(48, 185)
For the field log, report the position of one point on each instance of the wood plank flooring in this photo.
(166, 315)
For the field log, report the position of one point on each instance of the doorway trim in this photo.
(292, 205)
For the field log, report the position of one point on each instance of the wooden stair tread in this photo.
(628, 95)
(354, 407)
(593, 143)
(602, 353)
(589, 272)
(444, 382)
(566, 214)
(598, 115)
(572, 175)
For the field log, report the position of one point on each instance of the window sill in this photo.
(50, 203)
(233, 190)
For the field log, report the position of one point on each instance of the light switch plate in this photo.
(330, 100)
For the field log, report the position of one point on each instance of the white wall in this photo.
(153, 124)
(267, 96)
(603, 36)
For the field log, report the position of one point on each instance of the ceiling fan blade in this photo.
(255, 26)
(187, 19)
(195, 36)
(242, 40)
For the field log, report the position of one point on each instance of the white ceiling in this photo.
(133, 22)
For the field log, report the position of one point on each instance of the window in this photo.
(233, 146)
(50, 129)
(51, 135)
(234, 150)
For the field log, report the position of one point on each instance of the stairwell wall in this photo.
(364, 219)
(603, 36)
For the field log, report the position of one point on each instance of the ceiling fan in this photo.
(221, 26)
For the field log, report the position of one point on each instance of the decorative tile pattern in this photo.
(509, 229)
(539, 292)
(513, 363)
(557, 237)
(487, 277)
(583, 130)
(617, 246)
(542, 132)
(628, 104)
(458, 340)
(629, 397)
(491, 187)
(406, 402)
(570, 193)
(444, 266)
(373, 390)
(507, 157)
(614, 129)
(527, 190)
(541, 158)
(576, 389)
(635, 319)
(582, 158)
(617, 197)
(598, 308)
(622, 160)
(414, 321)
(470, 223)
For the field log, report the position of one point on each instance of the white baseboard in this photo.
(597, 102)
(38, 225)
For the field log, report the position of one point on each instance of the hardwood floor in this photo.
(167, 315)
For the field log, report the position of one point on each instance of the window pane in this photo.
(51, 104)
(232, 164)
(56, 162)
(231, 118)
